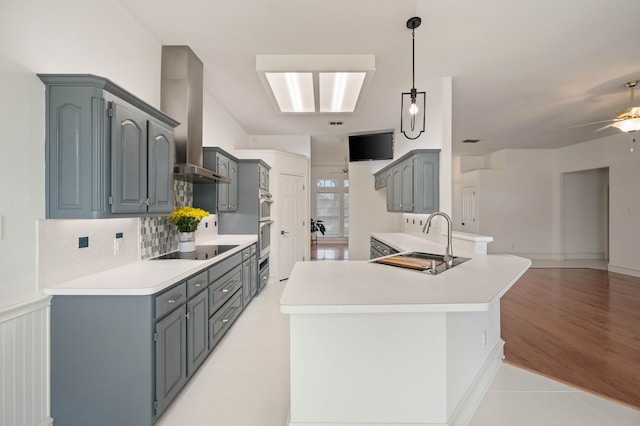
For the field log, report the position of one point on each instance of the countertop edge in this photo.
(185, 268)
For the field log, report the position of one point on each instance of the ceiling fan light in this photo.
(628, 125)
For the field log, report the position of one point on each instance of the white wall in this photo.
(295, 144)
(219, 128)
(516, 202)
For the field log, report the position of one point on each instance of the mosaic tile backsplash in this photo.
(159, 236)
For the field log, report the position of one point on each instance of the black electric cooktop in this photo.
(201, 253)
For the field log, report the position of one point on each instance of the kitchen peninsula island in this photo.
(380, 345)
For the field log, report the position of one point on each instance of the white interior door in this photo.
(291, 224)
(469, 222)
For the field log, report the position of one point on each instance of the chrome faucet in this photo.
(448, 257)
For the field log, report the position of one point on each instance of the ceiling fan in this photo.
(344, 170)
(627, 120)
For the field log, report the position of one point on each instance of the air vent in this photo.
(335, 123)
(470, 140)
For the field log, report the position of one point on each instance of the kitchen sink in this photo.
(421, 261)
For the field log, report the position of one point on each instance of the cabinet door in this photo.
(171, 358)
(406, 194)
(222, 167)
(388, 176)
(233, 187)
(160, 151)
(396, 189)
(246, 283)
(197, 333)
(427, 183)
(77, 154)
(128, 159)
(253, 280)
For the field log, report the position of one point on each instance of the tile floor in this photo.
(245, 382)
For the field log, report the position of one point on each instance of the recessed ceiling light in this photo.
(339, 91)
(293, 91)
(315, 83)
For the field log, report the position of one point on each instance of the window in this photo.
(332, 206)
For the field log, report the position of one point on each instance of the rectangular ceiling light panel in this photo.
(339, 91)
(293, 90)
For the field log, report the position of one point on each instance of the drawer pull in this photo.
(198, 285)
(246, 255)
(226, 290)
(227, 319)
(174, 299)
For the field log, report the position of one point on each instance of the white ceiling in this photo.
(523, 71)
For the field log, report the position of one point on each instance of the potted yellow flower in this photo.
(186, 220)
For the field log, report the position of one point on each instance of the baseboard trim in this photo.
(472, 398)
(625, 271)
(12, 312)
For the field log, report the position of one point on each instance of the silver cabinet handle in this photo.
(225, 290)
(188, 315)
(246, 255)
(174, 299)
(198, 285)
(225, 320)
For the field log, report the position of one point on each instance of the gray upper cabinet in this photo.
(218, 197)
(412, 182)
(108, 153)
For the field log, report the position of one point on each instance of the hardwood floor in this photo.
(329, 251)
(580, 326)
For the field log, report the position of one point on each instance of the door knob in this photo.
(283, 232)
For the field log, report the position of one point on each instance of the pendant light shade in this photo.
(413, 104)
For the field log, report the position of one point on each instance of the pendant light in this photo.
(413, 105)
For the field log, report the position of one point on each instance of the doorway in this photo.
(585, 214)
(291, 223)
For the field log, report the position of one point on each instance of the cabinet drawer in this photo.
(222, 320)
(221, 290)
(264, 277)
(246, 254)
(383, 249)
(196, 284)
(253, 250)
(220, 268)
(170, 299)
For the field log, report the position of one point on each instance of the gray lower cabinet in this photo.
(122, 360)
(171, 358)
(379, 249)
(249, 274)
(108, 153)
(412, 182)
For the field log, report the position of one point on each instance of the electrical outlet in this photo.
(83, 242)
(117, 243)
(117, 246)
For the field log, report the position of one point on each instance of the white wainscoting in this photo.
(24, 364)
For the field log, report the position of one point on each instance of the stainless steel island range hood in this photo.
(181, 98)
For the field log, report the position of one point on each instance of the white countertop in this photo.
(365, 287)
(147, 277)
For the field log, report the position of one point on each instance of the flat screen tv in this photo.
(373, 146)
